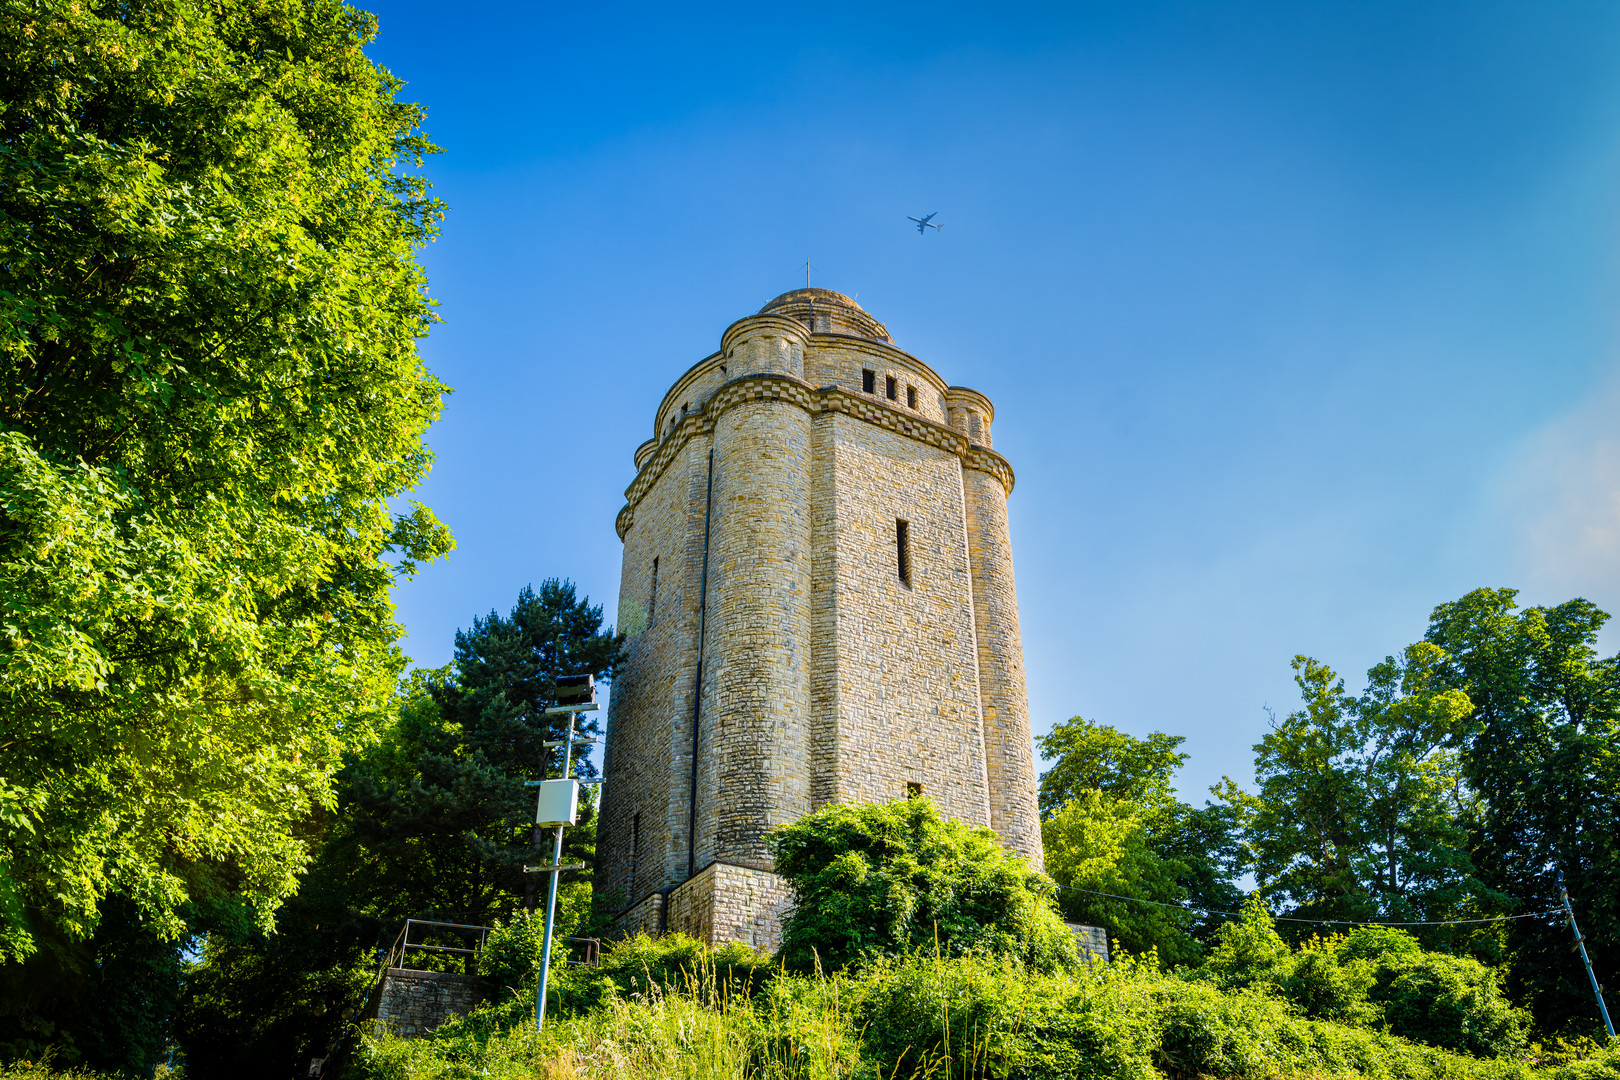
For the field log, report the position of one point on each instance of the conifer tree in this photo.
(440, 810)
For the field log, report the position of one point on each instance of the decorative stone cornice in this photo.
(829, 399)
(986, 460)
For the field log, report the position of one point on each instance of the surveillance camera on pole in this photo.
(558, 806)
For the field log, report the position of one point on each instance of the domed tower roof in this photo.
(827, 312)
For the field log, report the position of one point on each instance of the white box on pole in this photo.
(559, 803)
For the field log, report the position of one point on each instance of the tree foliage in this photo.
(1113, 825)
(438, 814)
(1473, 768)
(1088, 756)
(1542, 750)
(210, 398)
(882, 879)
(257, 1006)
(106, 1002)
(1360, 808)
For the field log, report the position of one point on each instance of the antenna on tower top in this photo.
(807, 273)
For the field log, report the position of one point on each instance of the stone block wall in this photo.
(731, 903)
(413, 1003)
(1009, 753)
(649, 746)
(896, 684)
(646, 917)
(754, 758)
(1093, 940)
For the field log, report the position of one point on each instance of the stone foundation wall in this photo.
(731, 903)
(647, 917)
(413, 1003)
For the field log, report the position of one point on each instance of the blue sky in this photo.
(1299, 318)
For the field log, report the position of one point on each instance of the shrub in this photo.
(510, 958)
(1449, 1001)
(935, 1016)
(1325, 987)
(1370, 974)
(977, 1016)
(1247, 950)
(640, 967)
(882, 879)
(1377, 943)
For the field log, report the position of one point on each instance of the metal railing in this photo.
(593, 951)
(403, 943)
(395, 957)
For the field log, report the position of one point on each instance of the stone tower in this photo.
(818, 592)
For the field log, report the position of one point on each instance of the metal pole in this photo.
(551, 899)
(1580, 943)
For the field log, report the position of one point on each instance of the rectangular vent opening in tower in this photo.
(911, 397)
(889, 387)
(902, 549)
(868, 382)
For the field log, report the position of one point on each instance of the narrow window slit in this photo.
(889, 387)
(635, 850)
(652, 595)
(902, 549)
(911, 397)
(868, 382)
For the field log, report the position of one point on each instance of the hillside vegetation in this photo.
(675, 1008)
(991, 995)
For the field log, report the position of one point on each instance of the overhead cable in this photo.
(1314, 922)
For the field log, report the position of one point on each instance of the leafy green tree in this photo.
(1542, 750)
(258, 1006)
(107, 1002)
(1113, 825)
(210, 399)
(1088, 756)
(1101, 844)
(883, 879)
(1360, 801)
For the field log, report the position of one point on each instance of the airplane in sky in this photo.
(925, 223)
